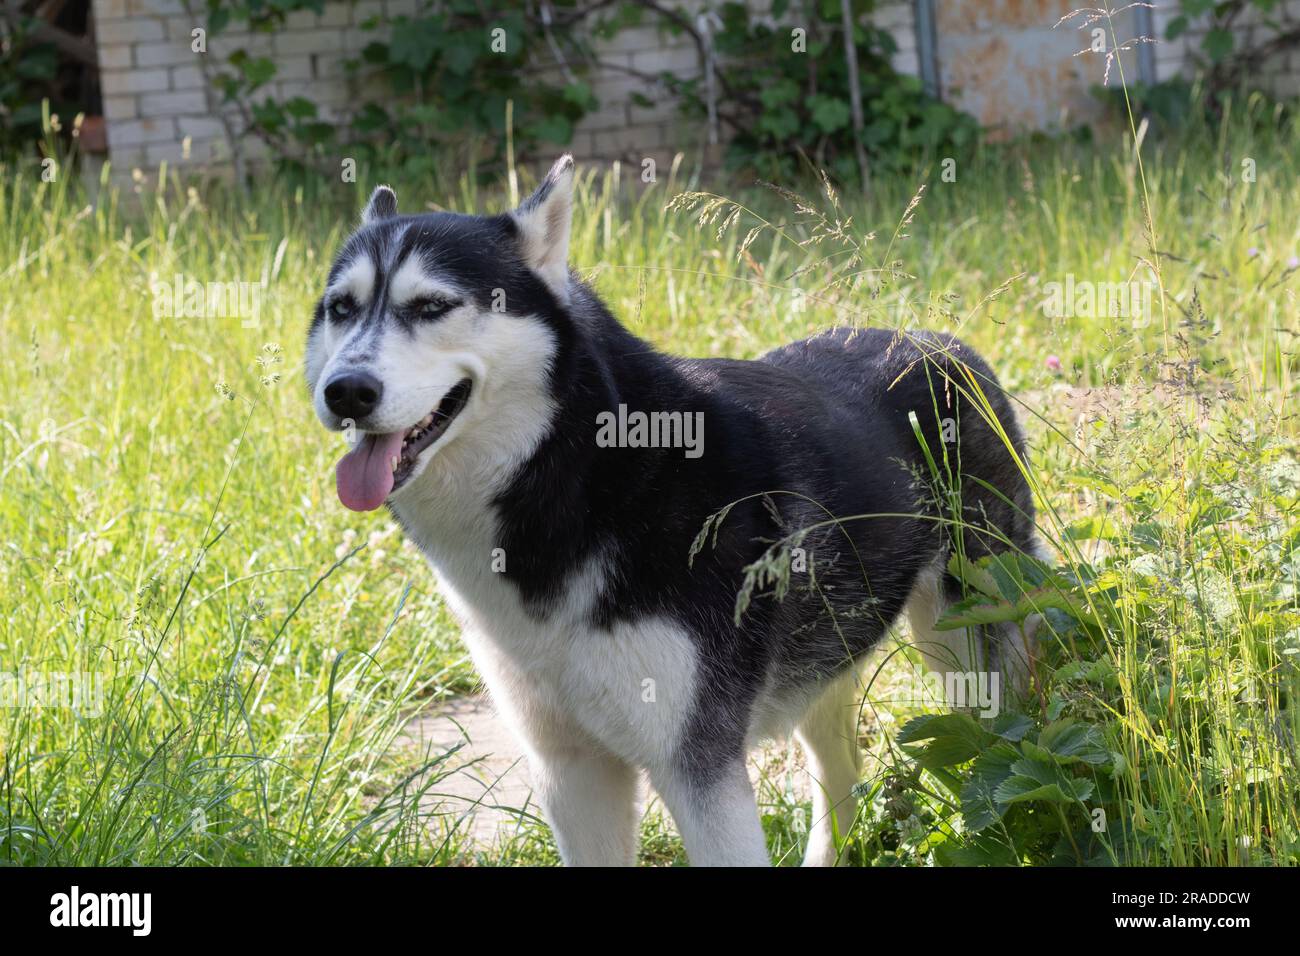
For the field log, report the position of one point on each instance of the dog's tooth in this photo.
(396, 459)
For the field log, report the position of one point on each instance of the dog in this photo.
(658, 598)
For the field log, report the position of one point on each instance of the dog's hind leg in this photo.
(979, 667)
(944, 653)
(828, 733)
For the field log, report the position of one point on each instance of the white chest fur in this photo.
(558, 679)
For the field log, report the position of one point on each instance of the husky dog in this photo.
(481, 378)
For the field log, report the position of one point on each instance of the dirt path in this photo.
(490, 781)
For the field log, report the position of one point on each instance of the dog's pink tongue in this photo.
(365, 474)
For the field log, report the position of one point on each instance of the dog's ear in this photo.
(543, 220)
(383, 203)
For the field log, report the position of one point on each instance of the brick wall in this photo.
(158, 104)
(898, 17)
(1279, 74)
(621, 127)
(158, 107)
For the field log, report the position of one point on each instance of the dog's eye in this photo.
(341, 308)
(432, 308)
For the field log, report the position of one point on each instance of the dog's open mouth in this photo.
(381, 463)
(429, 429)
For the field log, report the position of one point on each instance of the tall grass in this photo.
(169, 522)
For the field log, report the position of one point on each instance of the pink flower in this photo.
(1293, 262)
(1053, 363)
(1252, 252)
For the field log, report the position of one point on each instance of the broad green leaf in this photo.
(952, 738)
(974, 574)
(1217, 43)
(257, 71)
(1071, 741)
(1094, 528)
(829, 113)
(1039, 780)
(983, 850)
(1012, 727)
(979, 806)
(300, 107)
(976, 610)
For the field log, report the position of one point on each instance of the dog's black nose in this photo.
(353, 395)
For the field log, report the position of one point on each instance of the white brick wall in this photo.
(1279, 74)
(156, 97)
(155, 92)
(899, 19)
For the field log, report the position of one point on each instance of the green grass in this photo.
(170, 526)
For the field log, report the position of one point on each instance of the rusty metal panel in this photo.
(1005, 63)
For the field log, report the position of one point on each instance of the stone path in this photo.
(490, 781)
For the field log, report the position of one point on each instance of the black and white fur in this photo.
(598, 596)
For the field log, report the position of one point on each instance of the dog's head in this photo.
(436, 331)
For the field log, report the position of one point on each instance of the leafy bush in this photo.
(20, 110)
(38, 79)
(781, 107)
(446, 88)
(1230, 55)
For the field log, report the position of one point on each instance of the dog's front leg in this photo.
(717, 817)
(588, 795)
(590, 800)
